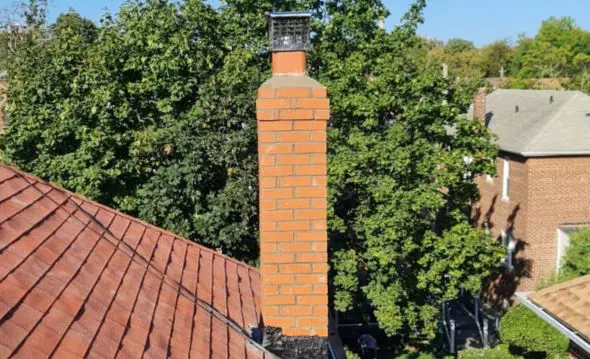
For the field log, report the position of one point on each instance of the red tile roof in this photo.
(78, 279)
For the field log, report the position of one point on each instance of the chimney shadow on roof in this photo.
(488, 119)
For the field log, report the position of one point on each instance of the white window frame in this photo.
(563, 241)
(505, 179)
(509, 243)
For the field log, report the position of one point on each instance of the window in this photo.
(509, 243)
(505, 179)
(563, 241)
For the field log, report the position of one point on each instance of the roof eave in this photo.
(553, 321)
(546, 153)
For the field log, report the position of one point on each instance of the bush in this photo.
(524, 330)
(576, 262)
(500, 352)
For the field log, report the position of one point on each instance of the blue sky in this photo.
(482, 21)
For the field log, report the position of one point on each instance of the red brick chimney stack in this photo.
(292, 114)
(479, 105)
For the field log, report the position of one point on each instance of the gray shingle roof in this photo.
(546, 123)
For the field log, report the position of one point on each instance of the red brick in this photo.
(319, 92)
(310, 192)
(293, 160)
(293, 203)
(319, 159)
(312, 257)
(269, 269)
(311, 279)
(297, 181)
(295, 268)
(296, 114)
(266, 92)
(280, 321)
(268, 182)
(297, 290)
(267, 115)
(271, 104)
(267, 137)
(268, 204)
(312, 170)
(276, 193)
(314, 103)
(297, 310)
(309, 148)
(310, 214)
(275, 148)
(319, 203)
(320, 267)
(279, 299)
(278, 258)
(275, 126)
(312, 236)
(277, 236)
(312, 299)
(296, 136)
(277, 215)
(266, 171)
(309, 125)
(278, 279)
(321, 115)
(311, 321)
(296, 247)
(294, 226)
(266, 247)
(271, 290)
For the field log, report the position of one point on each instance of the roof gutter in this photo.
(546, 316)
(548, 153)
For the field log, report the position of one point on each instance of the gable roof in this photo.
(566, 306)
(540, 127)
(78, 279)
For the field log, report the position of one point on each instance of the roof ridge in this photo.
(125, 215)
(555, 115)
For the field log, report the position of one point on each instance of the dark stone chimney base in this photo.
(294, 347)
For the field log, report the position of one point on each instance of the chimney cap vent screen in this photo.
(289, 31)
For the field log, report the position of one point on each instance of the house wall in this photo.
(545, 194)
(508, 215)
(559, 195)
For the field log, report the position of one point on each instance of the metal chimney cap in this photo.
(290, 31)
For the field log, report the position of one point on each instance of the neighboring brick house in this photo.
(542, 188)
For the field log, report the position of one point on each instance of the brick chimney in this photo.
(479, 105)
(292, 115)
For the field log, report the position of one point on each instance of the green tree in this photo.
(459, 45)
(558, 50)
(495, 57)
(154, 114)
(400, 242)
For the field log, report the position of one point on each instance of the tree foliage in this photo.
(152, 112)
